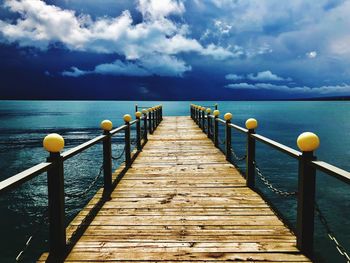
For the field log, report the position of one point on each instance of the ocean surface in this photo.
(24, 124)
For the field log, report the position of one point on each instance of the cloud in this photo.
(41, 25)
(260, 76)
(323, 90)
(266, 76)
(155, 9)
(75, 72)
(311, 54)
(160, 65)
(234, 77)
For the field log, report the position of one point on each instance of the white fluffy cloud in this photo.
(260, 76)
(41, 25)
(323, 90)
(234, 77)
(161, 65)
(266, 76)
(155, 9)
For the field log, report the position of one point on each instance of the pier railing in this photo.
(146, 120)
(307, 142)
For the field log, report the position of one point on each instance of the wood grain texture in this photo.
(181, 201)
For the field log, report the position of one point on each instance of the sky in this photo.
(174, 49)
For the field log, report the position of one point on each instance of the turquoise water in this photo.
(23, 125)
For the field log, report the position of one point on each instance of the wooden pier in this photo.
(181, 201)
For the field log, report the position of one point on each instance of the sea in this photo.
(24, 124)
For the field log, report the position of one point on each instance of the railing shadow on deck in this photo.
(307, 206)
(59, 246)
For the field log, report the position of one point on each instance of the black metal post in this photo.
(203, 120)
(158, 117)
(138, 133)
(228, 141)
(216, 131)
(145, 129)
(209, 125)
(150, 121)
(250, 167)
(306, 204)
(127, 145)
(136, 108)
(57, 229)
(196, 115)
(216, 106)
(154, 121)
(161, 113)
(107, 164)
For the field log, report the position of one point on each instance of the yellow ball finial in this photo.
(53, 143)
(144, 111)
(228, 116)
(138, 114)
(216, 113)
(203, 108)
(251, 124)
(106, 125)
(308, 142)
(209, 110)
(127, 118)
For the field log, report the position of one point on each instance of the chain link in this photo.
(236, 157)
(211, 129)
(270, 186)
(39, 226)
(120, 156)
(221, 141)
(81, 194)
(331, 235)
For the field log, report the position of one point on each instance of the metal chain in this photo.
(211, 129)
(270, 186)
(81, 194)
(324, 222)
(133, 141)
(236, 157)
(120, 156)
(221, 141)
(39, 226)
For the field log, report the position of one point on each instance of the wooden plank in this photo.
(181, 201)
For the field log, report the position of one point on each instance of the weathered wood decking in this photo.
(182, 201)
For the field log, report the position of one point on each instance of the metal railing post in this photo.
(307, 142)
(161, 112)
(150, 121)
(203, 119)
(145, 129)
(199, 122)
(158, 116)
(127, 119)
(196, 115)
(216, 131)
(136, 108)
(138, 130)
(154, 120)
(107, 164)
(209, 125)
(251, 124)
(250, 167)
(57, 229)
(228, 117)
